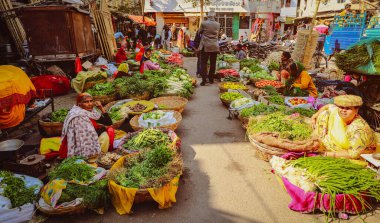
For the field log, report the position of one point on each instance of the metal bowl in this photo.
(11, 145)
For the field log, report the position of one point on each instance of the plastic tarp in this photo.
(307, 105)
(166, 119)
(139, 19)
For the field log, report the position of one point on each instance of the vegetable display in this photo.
(288, 128)
(263, 75)
(102, 89)
(307, 112)
(147, 139)
(151, 168)
(59, 115)
(273, 65)
(71, 169)
(180, 83)
(117, 113)
(156, 115)
(298, 101)
(228, 72)
(255, 68)
(228, 58)
(264, 83)
(130, 86)
(230, 96)
(248, 62)
(233, 86)
(241, 102)
(334, 176)
(260, 109)
(270, 90)
(15, 190)
(229, 78)
(277, 99)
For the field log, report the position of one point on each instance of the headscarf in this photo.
(82, 96)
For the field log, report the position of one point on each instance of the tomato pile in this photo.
(297, 101)
(228, 72)
(175, 58)
(264, 83)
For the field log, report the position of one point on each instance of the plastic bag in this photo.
(166, 119)
(241, 103)
(101, 61)
(307, 105)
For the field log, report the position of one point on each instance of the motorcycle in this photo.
(224, 47)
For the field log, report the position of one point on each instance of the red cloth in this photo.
(140, 54)
(121, 55)
(78, 65)
(60, 85)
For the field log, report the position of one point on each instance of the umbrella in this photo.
(322, 29)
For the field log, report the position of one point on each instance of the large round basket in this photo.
(70, 210)
(244, 121)
(50, 129)
(135, 122)
(149, 106)
(104, 99)
(175, 103)
(223, 89)
(226, 102)
(115, 125)
(90, 84)
(265, 152)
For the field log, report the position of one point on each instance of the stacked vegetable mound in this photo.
(82, 182)
(180, 84)
(102, 89)
(363, 57)
(287, 133)
(129, 87)
(339, 184)
(59, 115)
(228, 97)
(13, 187)
(147, 139)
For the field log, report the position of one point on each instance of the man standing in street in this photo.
(209, 47)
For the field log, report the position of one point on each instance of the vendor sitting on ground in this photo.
(146, 63)
(81, 134)
(341, 130)
(286, 61)
(300, 82)
(240, 55)
(121, 55)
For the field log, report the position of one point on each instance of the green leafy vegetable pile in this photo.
(273, 65)
(179, 83)
(59, 115)
(230, 96)
(129, 86)
(288, 128)
(150, 168)
(230, 78)
(270, 90)
(260, 109)
(263, 75)
(277, 99)
(102, 89)
(255, 68)
(147, 139)
(248, 62)
(15, 190)
(70, 169)
(307, 112)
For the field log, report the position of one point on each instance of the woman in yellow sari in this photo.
(341, 130)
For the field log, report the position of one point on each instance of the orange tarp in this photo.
(139, 19)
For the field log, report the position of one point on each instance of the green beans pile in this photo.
(341, 176)
(147, 139)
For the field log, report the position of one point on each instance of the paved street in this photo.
(222, 181)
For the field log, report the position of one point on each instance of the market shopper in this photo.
(209, 47)
(166, 37)
(341, 130)
(300, 82)
(240, 55)
(81, 134)
(197, 41)
(286, 61)
(146, 63)
(142, 35)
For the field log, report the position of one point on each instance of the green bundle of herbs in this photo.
(352, 58)
(260, 109)
(277, 99)
(248, 62)
(59, 115)
(73, 169)
(307, 112)
(102, 89)
(135, 85)
(288, 128)
(15, 190)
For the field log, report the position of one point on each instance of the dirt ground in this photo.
(223, 181)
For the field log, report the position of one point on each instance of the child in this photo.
(240, 55)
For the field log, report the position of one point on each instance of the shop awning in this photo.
(139, 19)
(194, 14)
(223, 6)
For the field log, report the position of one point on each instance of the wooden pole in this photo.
(201, 5)
(362, 3)
(142, 10)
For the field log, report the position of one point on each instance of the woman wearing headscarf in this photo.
(341, 130)
(83, 132)
(300, 82)
(146, 63)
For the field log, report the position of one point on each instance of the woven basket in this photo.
(175, 103)
(265, 152)
(115, 125)
(135, 122)
(51, 129)
(91, 84)
(149, 106)
(244, 121)
(104, 99)
(144, 96)
(222, 89)
(79, 209)
(226, 102)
